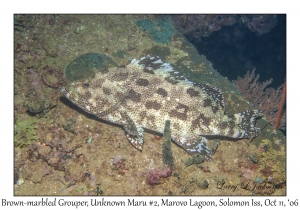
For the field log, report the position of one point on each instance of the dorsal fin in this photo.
(215, 93)
(154, 65)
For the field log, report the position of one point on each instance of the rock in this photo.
(259, 180)
(253, 158)
(35, 171)
(50, 47)
(203, 184)
(86, 65)
(197, 159)
(189, 162)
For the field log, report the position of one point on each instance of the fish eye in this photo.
(86, 84)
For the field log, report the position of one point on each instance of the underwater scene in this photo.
(149, 104)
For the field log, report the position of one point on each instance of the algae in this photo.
(161, 29)
(25, 132)
(87, 65)
(272, 162)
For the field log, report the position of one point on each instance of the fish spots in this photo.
(180, 111)
(106, 91)
(206, 102)
(214, 93)
(192, 92)
(172, 81)
(143, 114)
(151, 120)
(142, 82)
(134, 96)
(149, 71)
(152, 105)
(200, 121)
(214, 109)
(223, 125)
(176, 126)
(98, 83)
(121, 76)
(162, 92)
(87, 95)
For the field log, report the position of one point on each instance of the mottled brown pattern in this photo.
(214, 109)
(120, 95)
(148, 94)
(98, 83)
(200, 121)
(148, 71)
(231, 132)
(152, 105)
(176, 126)
(214, 92)
(192, 92)
(223, 125)
(142, 82)
(162, 92)
(134, 96)
(172, 81)
(178, 112)
(87, 95)
(143, 114)
(106, 91)
(121, 76)
(206, 102)
(151, 120)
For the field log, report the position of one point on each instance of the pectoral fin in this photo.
(134, 134)
(138, 140)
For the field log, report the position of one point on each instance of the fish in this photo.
(147, 92)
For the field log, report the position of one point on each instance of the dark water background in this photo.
(233, 50)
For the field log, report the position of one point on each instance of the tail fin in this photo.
(245, 122)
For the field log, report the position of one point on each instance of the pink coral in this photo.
(155, 175)
(165, 172)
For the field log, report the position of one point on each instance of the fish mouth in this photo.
(64, 92)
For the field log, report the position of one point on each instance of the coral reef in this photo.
(37, 101)
(197, 26)
(260, 24)
(161, 29)
(272, 163)
(66, 162)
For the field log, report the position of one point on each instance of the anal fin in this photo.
(200, 146)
